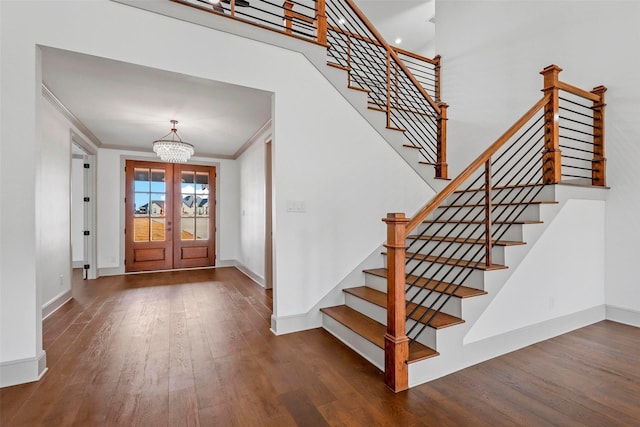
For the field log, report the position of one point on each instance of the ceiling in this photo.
(128, 106)
(410, 20)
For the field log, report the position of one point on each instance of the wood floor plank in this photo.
(194, 348)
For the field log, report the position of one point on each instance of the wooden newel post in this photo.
(598, 164)
(321, 22)
(288, 16)
(551, 157)
(396, 343)
(442, 169)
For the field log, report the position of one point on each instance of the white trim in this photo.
(55, 303)
(23, 370)
(623, 315)
(253, 139)
(455, 359)
(281, 325)
(250, 274)
(77, 264)
(48, 95)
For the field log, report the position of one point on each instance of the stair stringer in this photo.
(378, 120)
(313, 318)
(456, 353)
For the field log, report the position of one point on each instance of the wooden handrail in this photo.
(393, 54)
(577, 91)
(377, 43)
(478, 162)
(415, 55)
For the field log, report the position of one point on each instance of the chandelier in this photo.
(173, 150)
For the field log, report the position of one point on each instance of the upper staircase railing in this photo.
(431, 256)
(403, 85)
(411, 105)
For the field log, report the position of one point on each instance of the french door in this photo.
(170, 216)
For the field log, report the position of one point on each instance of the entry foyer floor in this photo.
(194, 348)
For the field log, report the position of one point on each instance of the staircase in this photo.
(442, 268)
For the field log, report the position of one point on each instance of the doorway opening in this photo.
(170, 216)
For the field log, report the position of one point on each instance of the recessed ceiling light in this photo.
(398, 40)
(341, 21)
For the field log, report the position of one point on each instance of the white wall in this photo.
(54, 261)
(325, 154)
(562, 274)
(492, 52)
(110, 204)
(252, 207)
(77, 211)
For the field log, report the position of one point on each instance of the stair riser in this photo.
(475, 280)
(449, 273)
(477, 213)
(503, 195)
(379, 314)
(456, 250)
(363, 347)
(428, 337)
(452, 306)
(507, 232)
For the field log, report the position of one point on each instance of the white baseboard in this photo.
(57, 302)
(110, 271)
(23, 370)
(623, 315)
(296, 322)
(489, 348)
(77, 264)
(247, 272)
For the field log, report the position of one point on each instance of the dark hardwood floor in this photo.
(194, 348)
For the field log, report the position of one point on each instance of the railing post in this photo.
(551, 158)
(436, 70)
(487, 212)
(288, 16)
(598, 164)
(442, 169)
(388, 88)
(321, 21)
(396, 343)
(233, 7)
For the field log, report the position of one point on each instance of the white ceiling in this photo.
(128, 106)
(410, 20)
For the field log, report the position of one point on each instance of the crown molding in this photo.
(49, 96)
(253, 139)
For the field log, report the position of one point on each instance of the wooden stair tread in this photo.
(360, 89)
(453, 261)
(429, 284)
(481, 205)
(412, 146)
(466, 240)
(338, 66)
(395, 128)
(373, 331)
(440, 320)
